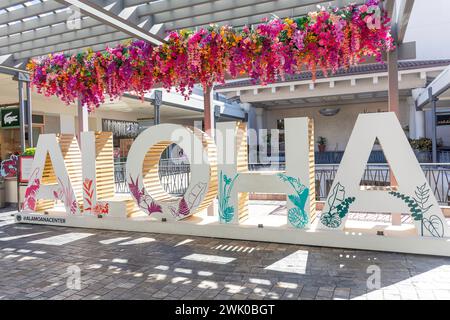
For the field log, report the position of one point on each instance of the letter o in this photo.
(142, 171)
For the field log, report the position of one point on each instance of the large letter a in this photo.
(413, 194)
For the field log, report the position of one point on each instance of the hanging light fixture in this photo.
(329, 112)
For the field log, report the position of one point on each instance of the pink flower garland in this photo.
(328, 39)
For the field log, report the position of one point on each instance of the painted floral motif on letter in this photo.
(338, 207)
(30, 201)
(66, 195)
(226, 211)
(297, 215)
(144, 201)
(190, 200)
(100, 207)
(418, 207)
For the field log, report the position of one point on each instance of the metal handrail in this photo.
(175, 177)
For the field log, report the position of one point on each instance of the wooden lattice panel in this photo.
(131, 208)
(242, 166)
(211, 150)
(72, 159)
(48, 178)
(104, 165)
(150, 171)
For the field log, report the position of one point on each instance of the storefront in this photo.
(124, 132)
(10, 132)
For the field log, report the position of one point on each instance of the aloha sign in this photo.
(81, 175)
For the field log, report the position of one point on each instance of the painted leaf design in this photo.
(226, 210)
(296, 200)
(73, 207)
(228, 214)
(134, 189)
(195, 196)
(153, 207)
(31, 192)
(343, 208)
(183, 208)
(331, 220)
(87, 186)
(336, 197)
(298, 218)
(101, 208)
(434, 226)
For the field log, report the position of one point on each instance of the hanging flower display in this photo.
(327, 40)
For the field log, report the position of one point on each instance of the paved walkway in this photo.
(42, 262)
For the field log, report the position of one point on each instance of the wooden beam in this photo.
(393, 92)
(404, 13)
(207, 113)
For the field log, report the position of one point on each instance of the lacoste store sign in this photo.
(10, 118)
(84, 183)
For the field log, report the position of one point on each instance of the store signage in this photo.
(26, 162)
(443, 119)
(10, 118)
(219, 170)
(42, 219)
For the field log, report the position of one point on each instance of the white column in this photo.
(211, 114)
(259, 118)
(416, 121)
(83, 118)
(420, 124)
(97, 115)
(259, 113)
(67, 123)
(252, 134)
(198, 124)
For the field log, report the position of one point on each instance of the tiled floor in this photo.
(38, 262)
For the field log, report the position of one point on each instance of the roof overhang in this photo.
(439, 88)
(376, 81)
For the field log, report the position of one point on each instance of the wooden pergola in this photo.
(31, 28)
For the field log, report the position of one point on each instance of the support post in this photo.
(393, 82)
(21, 79)
(30, 116)
(83, 119)
(209, 128)
(22, 116)
(393, 100)
(433, 101)
(157, 101)
(216, 115)
(208, 114)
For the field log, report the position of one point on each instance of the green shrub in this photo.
(422, 144)
(29, 152)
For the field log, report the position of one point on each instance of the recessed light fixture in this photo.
(329, 112)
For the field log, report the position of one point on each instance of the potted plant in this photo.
(422, 148)
(322, 144)
(29, 152)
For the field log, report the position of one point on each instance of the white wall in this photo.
(429, 26)
(335, 129)
(52, 124)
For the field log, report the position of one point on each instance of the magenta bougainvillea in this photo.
(327, 40)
